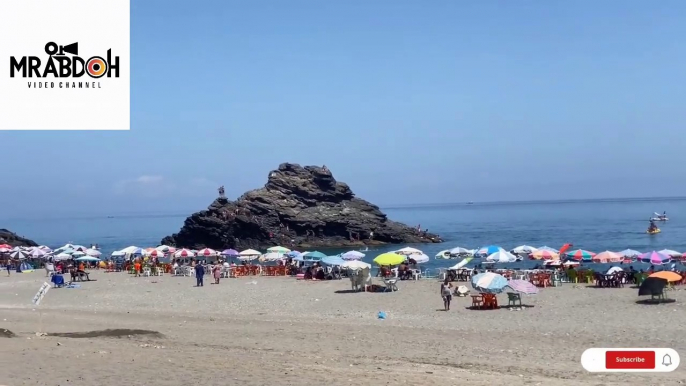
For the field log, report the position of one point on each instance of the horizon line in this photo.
(533, 202)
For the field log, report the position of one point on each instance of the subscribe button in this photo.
(630, 360)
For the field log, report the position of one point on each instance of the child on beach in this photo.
(446, 294)
(216, 272)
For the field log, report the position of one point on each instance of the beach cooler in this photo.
(57, 280)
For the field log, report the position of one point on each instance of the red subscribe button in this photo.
(635, 360)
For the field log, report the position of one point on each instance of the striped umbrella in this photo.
(655, 258)
(580, 255)
(37, 252)
(543, 254)
(184, 253)
(19, 254)
(489, 282)
(523, 286)
(156, 253)
(608, 257)
(206, 252)
(487, 250)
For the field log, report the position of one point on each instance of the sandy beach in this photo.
(266, 330)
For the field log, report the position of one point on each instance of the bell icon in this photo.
(666, 360)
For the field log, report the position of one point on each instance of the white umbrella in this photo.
(352, 255)
(501, 257)
(459, 251)
(355, 264)
(37, 252)
(87, 258)
(522, 249)
(420, 259)
(462, 263)
(62, 256)
(630, 253)
(44, 248)
(250, 252)
(78, 254)
(4, 250)
(409, 251)
(93, 252)
(132, 249)
(549, 249)
(670, 252)
(271, 256)
(570, 263)
(79, 248)
(613, 270)
(118, 253)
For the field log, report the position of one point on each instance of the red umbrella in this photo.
(565, 248)
(5, 246)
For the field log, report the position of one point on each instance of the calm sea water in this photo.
(593, 225)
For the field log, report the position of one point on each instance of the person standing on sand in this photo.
(9, 267)
(217, 272)
(199, 273)
(446, 294)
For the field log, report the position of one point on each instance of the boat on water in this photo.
(659, 217)
(654, 231)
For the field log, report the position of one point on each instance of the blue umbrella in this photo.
(313, 256)
(333, 260)
(489, 282)
(488, 250)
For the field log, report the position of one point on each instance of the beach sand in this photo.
(266, 330)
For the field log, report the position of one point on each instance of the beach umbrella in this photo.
(355, 264)
(19, 254)
(607, 257)
(501, 257)
(62, 256)
(655, 258)
(5, 250)
(544, 254)
(250, 252)
(389, 258)
(184, 253)
(118, 254)
(487, 250)
(408, 251)
(670, 252)
(163, 248)
(462, 263)
(419, 259)
(79, 248)
(44, 248)
(5, 246)
(459, 251)
(156, 253)
(87, 258)
(352, 255)
(580, 255)
(333, 260)
(652, 286)
(271, 256)
(278, 249)
(206, 252)
(230, 252)
(614, 269)
(524, 249)
(549, 249)
(667, 275)
(522, 286)
(93, 252)
(489, 282)
(36, 252)
(313, 256)
(77, 254)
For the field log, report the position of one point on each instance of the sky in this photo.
(406, 101)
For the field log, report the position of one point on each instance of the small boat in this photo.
(654, 232)
(659, 219)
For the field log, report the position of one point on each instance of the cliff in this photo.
(299, 207)
(7, 237)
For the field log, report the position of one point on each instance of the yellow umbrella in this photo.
(667, 275)
(389, 258)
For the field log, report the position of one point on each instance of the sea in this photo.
(594, 225)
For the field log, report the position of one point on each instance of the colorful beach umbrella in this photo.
(156, 253)
(543, 254)
(230, 252)
(667, 275)
(389, 258)
(488, 250)
(501, 257)
(352, 255)
(206, 252)
(565, 248)
(313, 256)
(608, 257)
(522, 286)
(489, 282)
(580, 255)
(655, 258)
(184, 253)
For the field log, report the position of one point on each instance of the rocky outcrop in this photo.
(299, 207)
(7, 237)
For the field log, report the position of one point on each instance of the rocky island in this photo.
(299, 207)
(7, 237)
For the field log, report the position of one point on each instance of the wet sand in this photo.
(122, 330)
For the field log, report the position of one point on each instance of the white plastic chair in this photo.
(146, 271)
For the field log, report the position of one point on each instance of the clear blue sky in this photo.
(407, 101)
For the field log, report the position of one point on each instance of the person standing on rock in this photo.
(199, 274)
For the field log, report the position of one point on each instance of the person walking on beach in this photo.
(199, 273)
(217, 273)
(446, 294)
(9, 267)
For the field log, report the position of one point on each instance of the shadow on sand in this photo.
(5, 333)
(114, 333)
(655, 301)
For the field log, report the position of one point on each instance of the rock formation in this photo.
(299, 207)
(7, 237)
